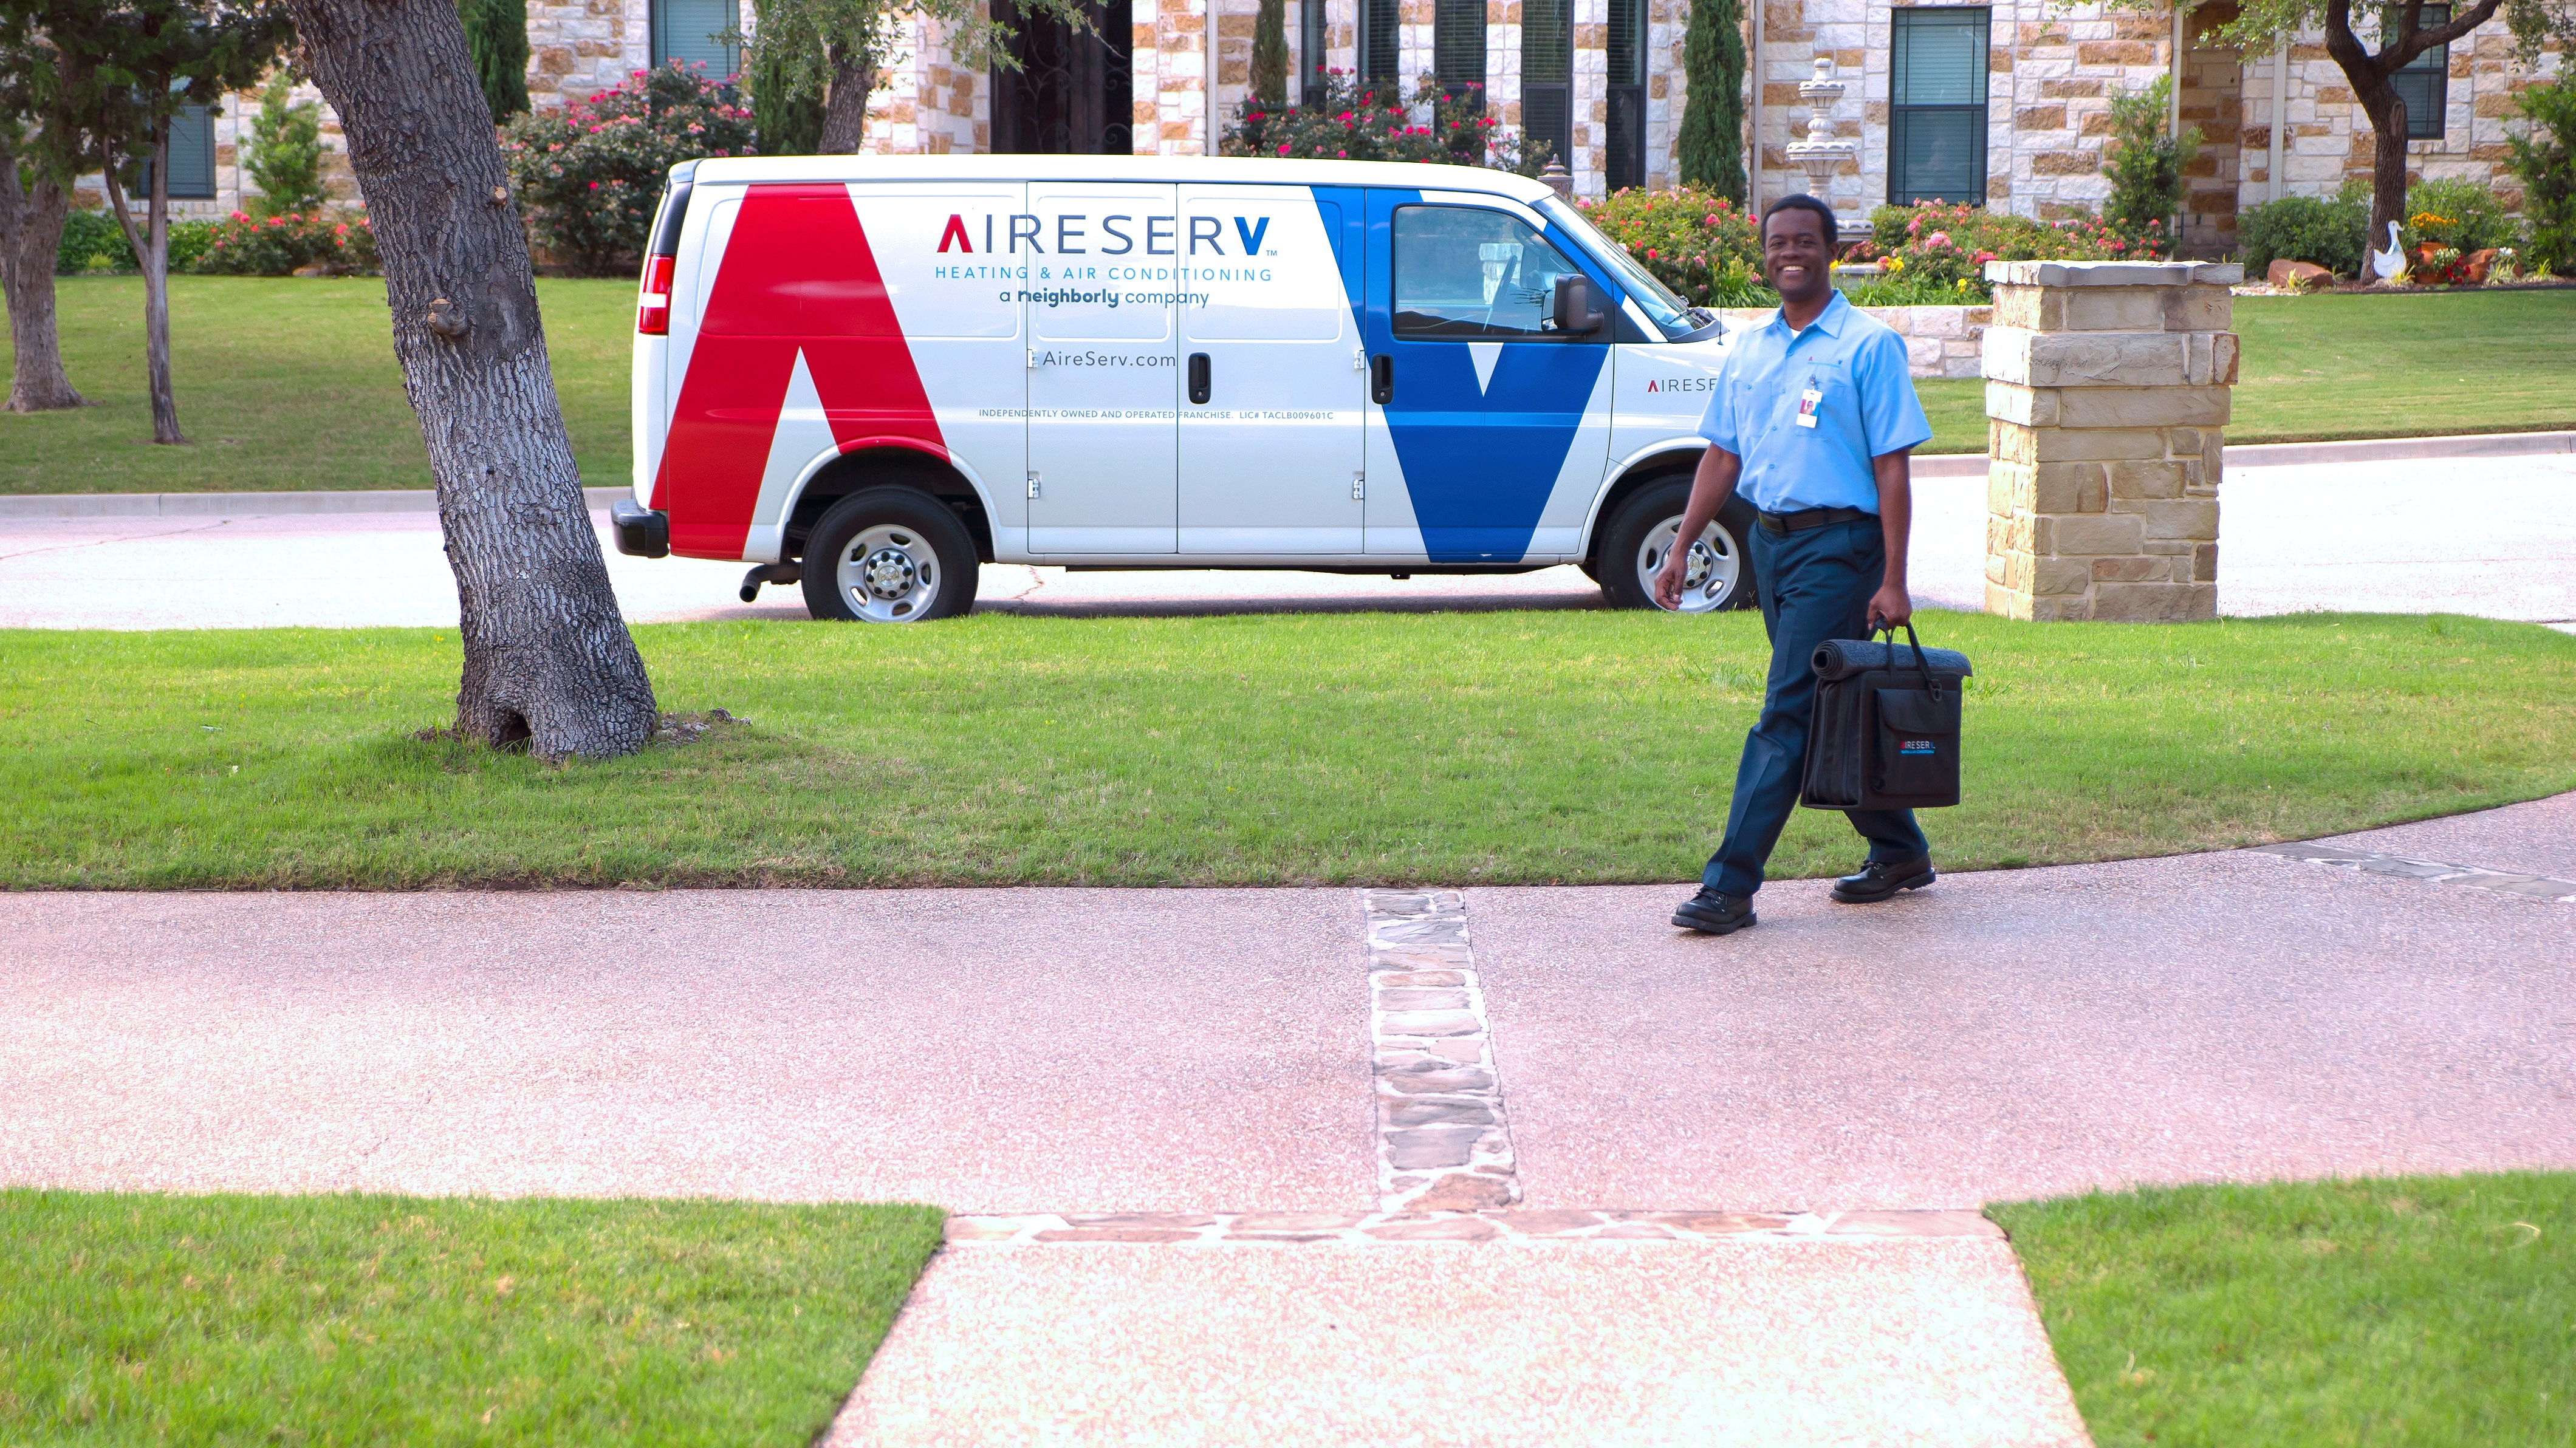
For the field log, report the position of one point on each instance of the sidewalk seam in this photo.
(2432, 872)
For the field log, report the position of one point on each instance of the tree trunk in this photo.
(2387, 112)
(845, 106)
(547, 657)
(152, 257)
(31, 232)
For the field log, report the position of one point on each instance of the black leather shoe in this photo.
(1711, 913)
(1879, 879)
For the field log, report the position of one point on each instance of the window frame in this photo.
(2429, 72)
(1902, 117)
(660, 21)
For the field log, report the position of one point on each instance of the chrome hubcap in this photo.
(1709, 571)
(889, 574)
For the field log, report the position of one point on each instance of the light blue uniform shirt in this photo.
(1865, 408)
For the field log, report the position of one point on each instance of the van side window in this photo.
(1465, 273)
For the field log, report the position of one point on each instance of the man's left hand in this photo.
(1889, 607)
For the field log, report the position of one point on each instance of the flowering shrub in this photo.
(1939, 245)
(1352, 121)
(1695, 242)
(276, 246)
(2463, 215)
(589, 173)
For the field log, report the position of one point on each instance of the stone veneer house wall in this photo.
(2023, 131)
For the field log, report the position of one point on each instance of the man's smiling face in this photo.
(1797, 254)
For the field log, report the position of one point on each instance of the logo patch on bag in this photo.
(1916, 746)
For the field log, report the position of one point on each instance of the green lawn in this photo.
(2339, 365)
(130, 1318)
(288, 383)
(2433, 1311)
(1247, 750)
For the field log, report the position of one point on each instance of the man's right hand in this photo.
(1669, 578)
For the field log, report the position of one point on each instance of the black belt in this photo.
(1799, 522)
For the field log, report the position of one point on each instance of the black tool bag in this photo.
(1886, 729)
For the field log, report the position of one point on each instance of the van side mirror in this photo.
(1576, 313)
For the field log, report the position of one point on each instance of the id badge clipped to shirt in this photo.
(1807, 402)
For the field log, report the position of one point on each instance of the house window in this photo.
(1626, 158)
(1378, 40)
(1458, 45)
(1547, 76)
(690, 31)
(1311, 50)
(1937, 93)
(2425, 82)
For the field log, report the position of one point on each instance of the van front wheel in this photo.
(1644, 531)
(889, 555)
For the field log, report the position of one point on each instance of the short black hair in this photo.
(1799, 202)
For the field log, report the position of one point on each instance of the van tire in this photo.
(1626, 564)
(889, 555)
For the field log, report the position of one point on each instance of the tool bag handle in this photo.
(1920, 668)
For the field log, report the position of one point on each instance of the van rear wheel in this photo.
(889, 555)
(1643, 532)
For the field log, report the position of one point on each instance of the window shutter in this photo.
(192, 154)
(1458, 44)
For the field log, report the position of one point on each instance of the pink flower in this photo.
(594, 185)
(1650, 253)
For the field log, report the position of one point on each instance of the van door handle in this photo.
(1382, 379)
(1199, 377)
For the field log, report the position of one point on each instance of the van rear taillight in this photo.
(653, 307)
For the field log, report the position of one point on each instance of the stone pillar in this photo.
(2106, 395)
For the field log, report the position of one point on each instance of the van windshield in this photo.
(1677, 318)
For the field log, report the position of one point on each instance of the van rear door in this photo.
(1100, 266)
(1270, 459)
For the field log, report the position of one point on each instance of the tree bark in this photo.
(547, 656)
(152, 257)
(31, 233)
(845, 106)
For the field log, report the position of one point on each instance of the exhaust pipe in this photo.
(769, 573)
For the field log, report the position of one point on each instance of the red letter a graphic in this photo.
(957, 230)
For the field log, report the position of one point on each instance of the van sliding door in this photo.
(1273, 383)
(1098, 268)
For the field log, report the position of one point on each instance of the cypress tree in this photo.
(1712, 139)
(496, 35)
(1270, 54)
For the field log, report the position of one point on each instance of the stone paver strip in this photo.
(1443, 1141)
(2537, 887)
(1258, 1228)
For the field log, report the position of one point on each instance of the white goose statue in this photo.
(2389, 265)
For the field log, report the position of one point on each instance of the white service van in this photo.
(868, 373)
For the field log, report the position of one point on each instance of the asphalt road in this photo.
(2487, 536)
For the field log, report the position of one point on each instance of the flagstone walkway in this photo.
(1334, 1166)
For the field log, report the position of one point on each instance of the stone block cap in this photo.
(2114, 273)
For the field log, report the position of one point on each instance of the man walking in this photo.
(1812, 417)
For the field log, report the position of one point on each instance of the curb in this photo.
(1939, 465)
(2292, 454)
(246, 505)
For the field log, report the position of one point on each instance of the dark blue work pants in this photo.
(1816, 585)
